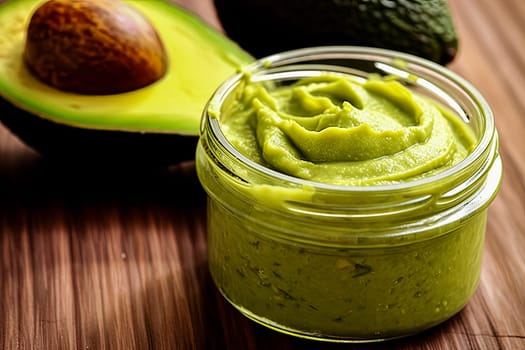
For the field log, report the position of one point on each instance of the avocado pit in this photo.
(95, 47)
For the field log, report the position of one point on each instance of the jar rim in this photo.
(367, 53)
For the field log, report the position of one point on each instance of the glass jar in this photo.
(348, 263)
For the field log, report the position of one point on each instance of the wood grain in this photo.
(101, 258)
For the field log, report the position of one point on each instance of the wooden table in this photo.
(93, 258)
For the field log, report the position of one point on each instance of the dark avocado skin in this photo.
(262, 27)
(111, 148)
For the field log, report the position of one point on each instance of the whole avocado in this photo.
(421, 27)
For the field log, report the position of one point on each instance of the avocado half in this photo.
(155, 123)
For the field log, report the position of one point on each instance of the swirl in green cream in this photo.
(338, 130)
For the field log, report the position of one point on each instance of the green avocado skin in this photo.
(111, 148)
(421, 27)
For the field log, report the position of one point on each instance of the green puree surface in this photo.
(339, 130)
(336, 129)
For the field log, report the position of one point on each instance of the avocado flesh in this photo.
(421, 27)
(200, 58)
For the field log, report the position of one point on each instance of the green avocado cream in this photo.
(342, 292)
(339, 130)
(361, 260)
